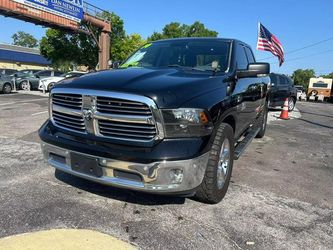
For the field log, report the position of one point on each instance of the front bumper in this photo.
(155, 177)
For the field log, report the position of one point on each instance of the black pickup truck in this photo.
(170, 120)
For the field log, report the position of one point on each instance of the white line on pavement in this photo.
(39, 113)
(9, 103)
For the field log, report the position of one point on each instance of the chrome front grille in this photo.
(118, 106)
(69, 121)
(68, 100)
(106, 114)
(127, 130)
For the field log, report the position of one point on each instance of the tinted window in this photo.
(57, 73)
(283, 80)
(274, 79)
(320, 85)
(249, 54)
(44, 73)
(241, 58)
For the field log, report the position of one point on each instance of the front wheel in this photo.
(262, 122)
(51, 85)
(25, 85)
(219, 167)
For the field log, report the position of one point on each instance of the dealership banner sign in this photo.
(70, 9)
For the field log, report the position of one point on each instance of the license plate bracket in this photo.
(86, 165)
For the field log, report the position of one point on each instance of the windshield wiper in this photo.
(175, 66)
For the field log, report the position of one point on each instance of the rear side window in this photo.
(283, 80)
(249, 55)
(241, 58)
(44, 73)
(274, 79)
(57, 73)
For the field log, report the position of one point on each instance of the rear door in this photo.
(283, 90)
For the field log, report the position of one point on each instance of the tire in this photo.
(218, 172)
(262, 122)
(291, 103)
(24, 85)
(50, 86)
(7, 88)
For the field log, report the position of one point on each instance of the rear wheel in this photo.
(291, 103)
(218, 172)
(7, 88)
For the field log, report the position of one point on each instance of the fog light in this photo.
(176, 176)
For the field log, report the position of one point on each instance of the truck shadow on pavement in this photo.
(117, 193)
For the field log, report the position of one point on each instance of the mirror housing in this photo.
(253, 70)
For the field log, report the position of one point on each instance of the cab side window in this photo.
(241, 57)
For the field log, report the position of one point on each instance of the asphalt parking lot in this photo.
(281, 195)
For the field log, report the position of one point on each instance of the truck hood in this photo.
(168, 87)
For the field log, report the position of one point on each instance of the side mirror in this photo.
(37, 76)
(253, 70)
(116, 64)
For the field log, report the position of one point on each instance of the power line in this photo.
(305, 47)
(302, 57)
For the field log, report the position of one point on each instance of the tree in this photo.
(65, 49)
(24, 39)
(302, 77)
(175, 30)
(330, 75)
(130, 44)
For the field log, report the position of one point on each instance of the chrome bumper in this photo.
(156, 177)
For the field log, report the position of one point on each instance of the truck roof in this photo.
(203, 39)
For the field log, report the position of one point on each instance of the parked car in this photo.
(171, 120)
(31, 81)
(282, 87)
(48, 82)
(300, 92)
(6, 85)
(18, 76)
(7, 72)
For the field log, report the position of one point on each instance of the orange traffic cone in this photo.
(284, 113)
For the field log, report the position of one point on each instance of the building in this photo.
(19, 58)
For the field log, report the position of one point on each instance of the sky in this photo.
(296, 23)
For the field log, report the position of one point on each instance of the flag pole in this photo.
(258, 32)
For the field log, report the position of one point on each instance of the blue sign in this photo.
(70, 9)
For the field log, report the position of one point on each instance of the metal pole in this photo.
(14, 81)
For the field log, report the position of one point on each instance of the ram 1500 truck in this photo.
(170, 120)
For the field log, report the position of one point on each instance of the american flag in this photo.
(268, 42)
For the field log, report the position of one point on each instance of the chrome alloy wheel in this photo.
(25, 85)
(223, 164)
(291, 104)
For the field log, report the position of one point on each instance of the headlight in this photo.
(186, 122)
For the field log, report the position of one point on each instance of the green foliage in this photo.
(176, 30)
(302, 77)
(24, 39)
(130, 44)
(65, 49)
(330, 75)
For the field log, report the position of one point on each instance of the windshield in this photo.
(198, 55)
